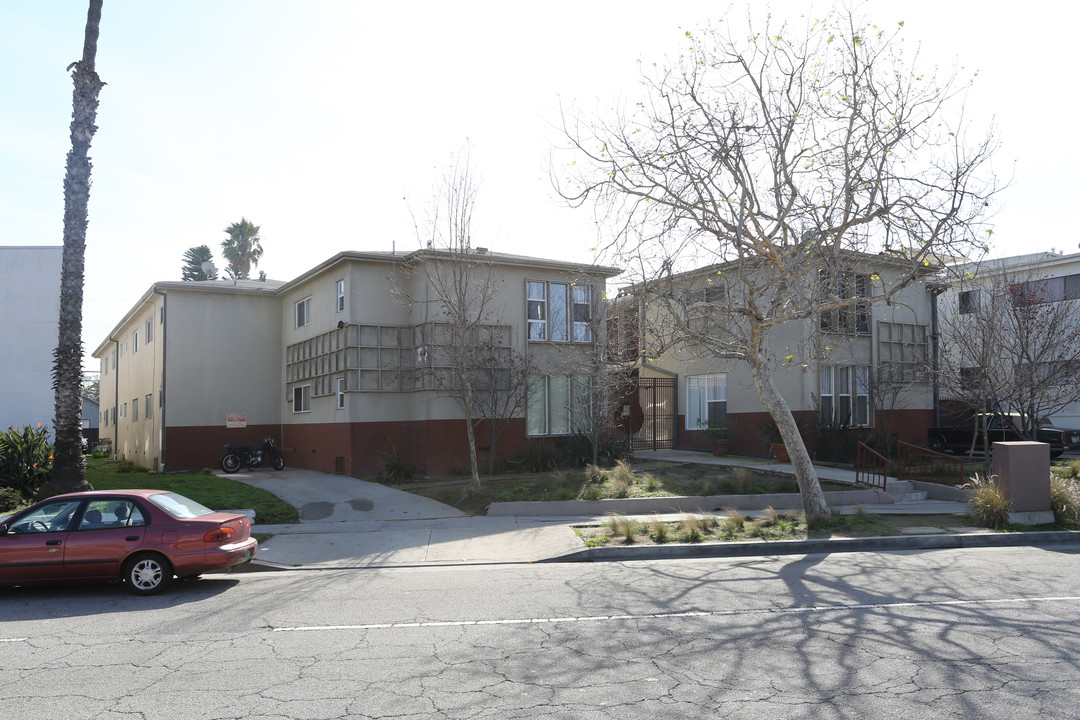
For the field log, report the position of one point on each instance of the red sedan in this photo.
(143, 537)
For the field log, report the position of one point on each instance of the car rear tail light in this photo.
(221, 534)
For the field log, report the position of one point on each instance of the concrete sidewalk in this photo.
(350, 523)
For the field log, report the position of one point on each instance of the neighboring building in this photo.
(91, 412)
(1044, 277)
(30, 294)
(329, 363)
(860, 369)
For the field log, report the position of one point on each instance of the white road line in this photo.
(4, 640)
(679, 615)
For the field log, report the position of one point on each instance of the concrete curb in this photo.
(813, 547)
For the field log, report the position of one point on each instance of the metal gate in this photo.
(656, 405)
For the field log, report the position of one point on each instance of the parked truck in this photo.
(1000, 427)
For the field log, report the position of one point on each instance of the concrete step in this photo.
(908, 496)
(900, 486)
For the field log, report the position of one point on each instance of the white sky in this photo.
(322, 121)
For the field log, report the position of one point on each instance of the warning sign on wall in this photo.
(236, 420)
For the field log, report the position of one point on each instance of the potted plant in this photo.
(719, 432)
(777, 448)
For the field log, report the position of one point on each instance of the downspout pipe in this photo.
(935, 292)
(116, 397)
(164, 367)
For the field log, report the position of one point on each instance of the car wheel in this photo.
(937, 444)
(147, 574)
(230, 463)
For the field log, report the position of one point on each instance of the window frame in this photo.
(339, 388)
(701, 393)
(301, 398)
(848, 400)
(340, 301)
(305, 305)
(539, 405)
(546, 299)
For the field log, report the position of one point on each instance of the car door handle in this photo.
(131, 538)
(52, 542)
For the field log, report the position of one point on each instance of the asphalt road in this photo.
(983, 633)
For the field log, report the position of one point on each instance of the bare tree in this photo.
(775, 157)
(69, 469)
(470, 357)
(1012, 344)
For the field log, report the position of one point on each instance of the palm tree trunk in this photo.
(69, 470)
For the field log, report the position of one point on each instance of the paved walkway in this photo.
(350, 523)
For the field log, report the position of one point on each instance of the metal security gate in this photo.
(656, 405)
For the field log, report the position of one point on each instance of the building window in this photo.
(135, 342)
(149, 400)
(582, 313)
(852, 319)
(301, 399)
(845, 395)
(706, 400)
(536, 298)
(134, 409)
(149, 329)
(340, 295)
(558, 404)
(341, 393)
(969, 302)
(559, 312)
(303, 312)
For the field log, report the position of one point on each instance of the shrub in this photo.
(594, 474)
(651, 483)
(990, 505)
(25, 458)
(537, 457)
(395, 469)
(744, 479)
(10, 500)
(618, 488)
(590, 492)
(623, 472)
(621, 525)
(1065, 500)
(659, 531)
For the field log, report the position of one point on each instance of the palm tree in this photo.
(242, 249)
(69, 470)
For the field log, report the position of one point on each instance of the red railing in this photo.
(918, 463)
(871, 467)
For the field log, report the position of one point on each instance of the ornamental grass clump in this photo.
(990, 505)
(623, 472)
(659, 531)
(1064, 500)
(625, 527)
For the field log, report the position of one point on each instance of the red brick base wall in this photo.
(433, 447)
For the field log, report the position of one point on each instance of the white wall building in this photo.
(30, 296)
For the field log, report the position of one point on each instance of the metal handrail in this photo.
(919, 463)
(871, 467)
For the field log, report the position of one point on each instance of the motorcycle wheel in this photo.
(277, 462)
(230, 462)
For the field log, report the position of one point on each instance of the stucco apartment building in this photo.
(1052, 277)
(832, 368)
(30, 291)
(328, 363)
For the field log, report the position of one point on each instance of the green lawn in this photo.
(215, 492)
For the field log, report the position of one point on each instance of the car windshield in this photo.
(179, 506)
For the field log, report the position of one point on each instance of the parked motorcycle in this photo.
(252, 456)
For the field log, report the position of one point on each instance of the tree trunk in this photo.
(69, 469)
(467, 407)
(814, 504)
